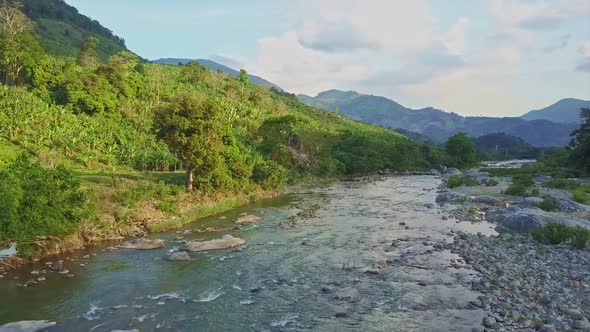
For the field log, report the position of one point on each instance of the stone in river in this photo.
(27, 326)
(248, 219)
(143, 244)
(178, 256)
(226, 242)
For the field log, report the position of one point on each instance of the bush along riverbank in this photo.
(535, 275)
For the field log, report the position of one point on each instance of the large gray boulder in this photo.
(27, 326)
(484, 199)
(435, 172)
(530, 201)
(226, 242)
(452, 171)
(524, 220)
(515, 220)
(477, 175)
(451, 197)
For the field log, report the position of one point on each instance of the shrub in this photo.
(268, 174)
(555, 233)
(38, 201)
(168, 206)
(490, 182)
(517, 190)
(549, 204)
(458, 181)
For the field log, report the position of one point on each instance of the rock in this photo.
(452, 171)
(484, 199)
(477, 175)
(143, 244)
(64, 271)
(429, 206)
(86, 257)
(227, 241)
(27, 326)
(541, 178)
(341, 315)
(582, 324)
(56, 266)
(178, 256)
(402, 223)
(530, 201)
(134, 330)
(450, 197)
(248, 220)
(489, 321)
(514, 220)
(547, 328)
(434, 172)
(41, 279)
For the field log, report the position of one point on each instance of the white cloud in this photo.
(454, 40)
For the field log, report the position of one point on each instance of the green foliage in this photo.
(87, 56)
(458, 181)
(461, 151)
(580, 192)
(145, 191)
(555, 233)
(549, 203)
(490, 182)
(521, 185)
(38, 201)
(268, 174)
(580, 144)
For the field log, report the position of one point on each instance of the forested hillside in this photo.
(97, 139)
(63, 29)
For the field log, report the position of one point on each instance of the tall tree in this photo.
(19, 45)
(461, 151)
(580, 143)
(190, 125)
(88, 56)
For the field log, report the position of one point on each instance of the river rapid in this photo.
(368, 260)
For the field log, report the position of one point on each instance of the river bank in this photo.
(525, 285)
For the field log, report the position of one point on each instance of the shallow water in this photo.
(308, 276)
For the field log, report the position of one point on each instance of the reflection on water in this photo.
(367, 262)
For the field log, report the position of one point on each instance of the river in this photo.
(365, 262)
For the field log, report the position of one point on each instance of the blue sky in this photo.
(487, 57)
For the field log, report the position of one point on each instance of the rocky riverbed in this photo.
(525, 285)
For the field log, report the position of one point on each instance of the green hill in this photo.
(63, 29)
(110, 142)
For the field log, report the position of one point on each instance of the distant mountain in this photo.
(63, 29)
(503, 146)
(434, 123)
(565, 110)
(217, 66)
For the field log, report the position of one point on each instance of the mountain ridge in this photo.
(563, 111)
(434, 123)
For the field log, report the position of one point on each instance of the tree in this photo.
(88, 56)
(19, 46)
(461, 151)
(580, 143)
(12, 20)
(244, 78)
(190, 125)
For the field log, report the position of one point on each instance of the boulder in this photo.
(143, 244)
(248, 220)
(484, 199)
(178, 256)
(450, 197)
(226, 242)
(530, 201)
(540, 178)
(434, 172)
(27, 326)
(515, 220)
(453, 171)
(525, 220)
(477, 175)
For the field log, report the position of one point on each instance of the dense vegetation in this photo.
(109, 120)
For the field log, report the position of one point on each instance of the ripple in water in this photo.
(92, 313)
(211, 295)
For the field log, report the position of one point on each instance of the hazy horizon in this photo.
(489, 57)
